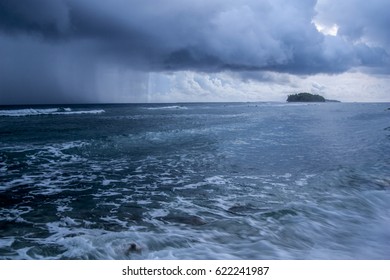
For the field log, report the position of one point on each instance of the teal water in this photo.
(195, 181)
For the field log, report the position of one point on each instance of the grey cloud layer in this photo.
(203, 35)
(358, 20)
(206, 35)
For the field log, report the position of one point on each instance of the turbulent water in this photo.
(195, 181)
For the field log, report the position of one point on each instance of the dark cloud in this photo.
(358, 20)
(196, 35)
(49, 18)
(170, 35)
(32, 71)
(364, 26)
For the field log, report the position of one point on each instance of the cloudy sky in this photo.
(76, 51)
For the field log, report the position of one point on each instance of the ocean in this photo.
(195, 181)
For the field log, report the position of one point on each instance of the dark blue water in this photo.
(195, 181)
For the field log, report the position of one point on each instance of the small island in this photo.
(305, 97)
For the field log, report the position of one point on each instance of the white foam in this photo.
(158, 213)
(6, 242)
(63, 208)
(167, 108)
(80, 112)
(73, 144)
(287, 175)
(144, 202)
(107, 182)
(107, 193)
(27, 112)
(14, 214)
(49, 111)
(191, 186)
(303, 181)
(70, 222)
(114, 220)
(25, 180)
(217, 180)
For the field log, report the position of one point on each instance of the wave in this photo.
(167, 107)
(49, 111)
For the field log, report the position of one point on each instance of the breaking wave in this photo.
(167, 108)
(48, 111)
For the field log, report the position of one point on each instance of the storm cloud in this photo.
(61, 50)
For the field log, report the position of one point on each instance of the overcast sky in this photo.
(76, 51)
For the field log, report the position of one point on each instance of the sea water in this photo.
(195, 181)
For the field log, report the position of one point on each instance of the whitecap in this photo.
(217, 180)
(167, 108)
(48, 111)
(79, 112)
(27, 112)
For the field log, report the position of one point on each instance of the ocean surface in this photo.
(195, 181)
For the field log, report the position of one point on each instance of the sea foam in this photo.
(48, 111)
(167, 107)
